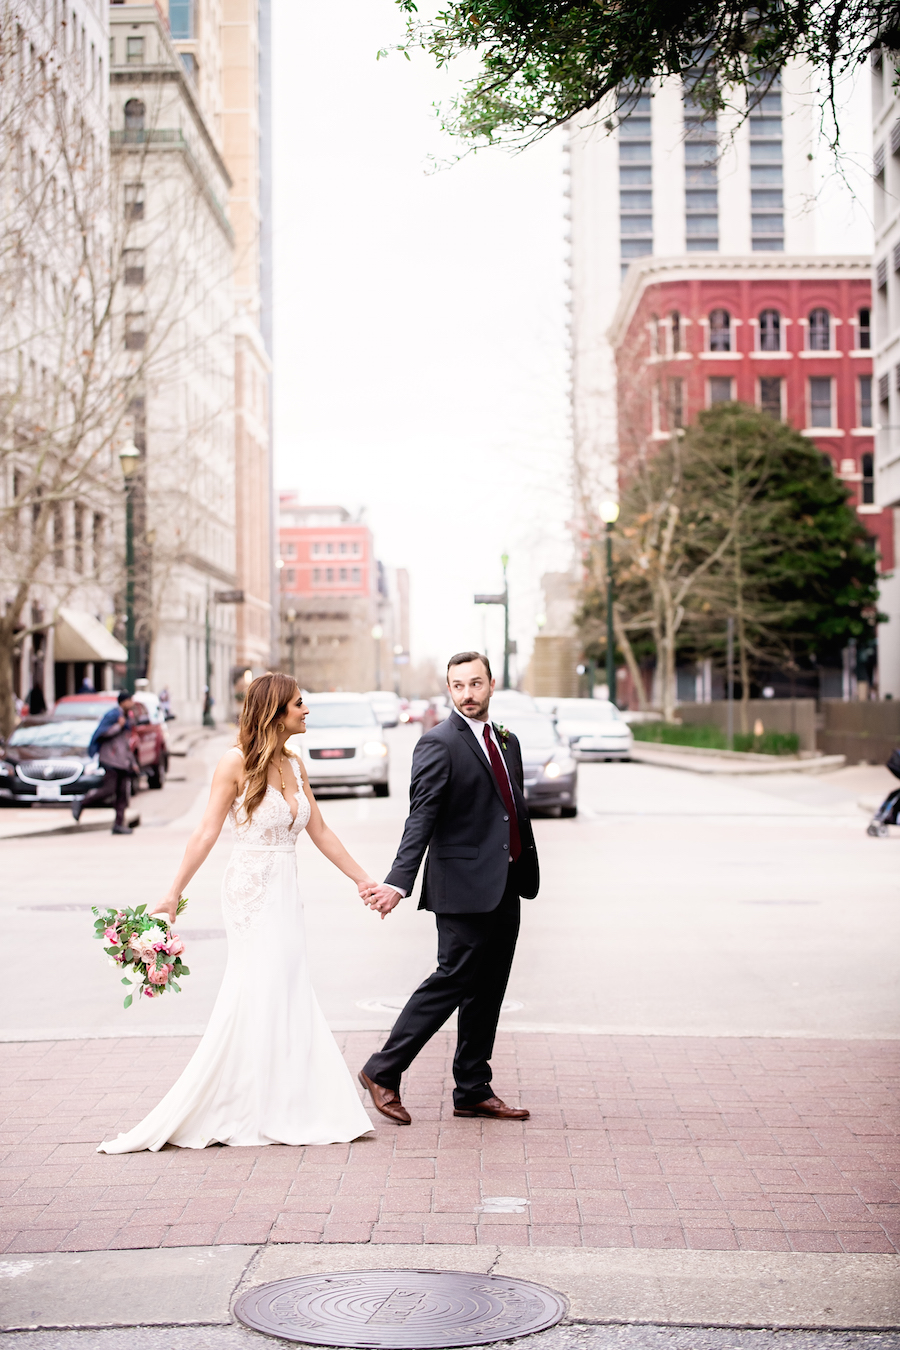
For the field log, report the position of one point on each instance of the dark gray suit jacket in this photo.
(456, 812)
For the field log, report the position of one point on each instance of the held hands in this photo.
(382, 898)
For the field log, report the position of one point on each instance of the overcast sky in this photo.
(419, 324)
(420, 351)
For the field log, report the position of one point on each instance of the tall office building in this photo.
(696, 202)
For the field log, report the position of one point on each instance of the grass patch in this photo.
(705, 737)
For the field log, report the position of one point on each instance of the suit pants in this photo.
(475, 953)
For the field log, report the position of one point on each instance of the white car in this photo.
(594, 728)
(343, 744)
(386, 705)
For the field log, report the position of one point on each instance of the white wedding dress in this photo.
(268, 1070)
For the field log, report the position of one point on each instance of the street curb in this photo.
(673, 757)
(74, 828)
(191, 1286)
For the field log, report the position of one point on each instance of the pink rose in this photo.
(151, 993)
(160, 976)
(112, 936)
(174, 946)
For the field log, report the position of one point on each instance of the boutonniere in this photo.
(502, 735)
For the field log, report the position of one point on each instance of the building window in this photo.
(676, 404)
(135, 334)
(290, 550)
(355, 548)
(770, 395)
(59, 537)
(675, 332)
(864, 330)
(134, 201)
(290, 576)
(134, 51)
(766, 167)
(719, 389)
(868, 479)
(133, 266)
(865, 401)
(355, 576)
(635, 181)
(820, 331)
(701, 187)
(770, 331)
(343, 546)
(181, 19)
(720, 331)
(316, 550)
(329, 574)
(820, 401)
(316, 575)
(135, 113)
(189, 63)
(78, 537)
(884, 393)
(329, 548)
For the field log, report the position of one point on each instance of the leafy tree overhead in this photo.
(542, 62)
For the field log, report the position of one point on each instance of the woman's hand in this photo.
(169, 908)
(364, 886)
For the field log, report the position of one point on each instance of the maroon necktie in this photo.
(515, 842)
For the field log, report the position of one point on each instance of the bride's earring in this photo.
(279, 726)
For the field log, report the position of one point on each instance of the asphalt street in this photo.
(674, 903)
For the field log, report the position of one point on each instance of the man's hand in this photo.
(382, 899)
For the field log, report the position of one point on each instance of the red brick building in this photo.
(791, 335)
(323, 552)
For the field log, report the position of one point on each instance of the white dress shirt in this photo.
(477, 729)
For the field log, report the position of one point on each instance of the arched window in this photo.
(720, 331)
(675, 331)
(134, 115)
(820, 331)
(770, 331)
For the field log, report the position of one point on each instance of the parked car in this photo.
(415, 710)
(551, 773)
(386, 705)
(511, 703)
(45, 759)
(438, 710)
(594, 728)
(547, 706)
(343, 744)
(149, 743)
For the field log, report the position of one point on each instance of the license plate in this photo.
(49, 792)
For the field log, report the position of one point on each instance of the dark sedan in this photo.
(551, 774)
(46, 760)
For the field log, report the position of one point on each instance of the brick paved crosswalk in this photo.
(644, 1141)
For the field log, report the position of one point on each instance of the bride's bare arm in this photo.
(226, 785)
(327, 842)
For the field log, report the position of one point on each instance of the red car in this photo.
(149, 739)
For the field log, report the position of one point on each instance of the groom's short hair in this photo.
(463, 658)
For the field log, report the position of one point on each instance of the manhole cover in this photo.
(392, 1003)
(400, 1309)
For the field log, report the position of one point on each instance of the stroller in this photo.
(890, 808)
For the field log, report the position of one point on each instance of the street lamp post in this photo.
(609, 514)
(501, 599)
(377, 634)
(129, 459)
(291, 616)
(207, 697)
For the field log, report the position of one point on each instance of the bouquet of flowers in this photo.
(145, 946)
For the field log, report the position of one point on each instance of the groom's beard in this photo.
(474, 710)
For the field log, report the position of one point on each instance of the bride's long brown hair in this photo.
(265, 704)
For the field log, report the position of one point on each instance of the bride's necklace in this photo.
(281, 776)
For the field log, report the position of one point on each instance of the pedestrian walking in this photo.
(87, 686)
(889, 809)
(111, 742)
(468, 809)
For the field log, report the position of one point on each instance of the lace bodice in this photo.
(271, 824)
(258, 843)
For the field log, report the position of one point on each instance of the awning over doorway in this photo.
(78, 636)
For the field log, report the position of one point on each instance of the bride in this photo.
(268, 1070)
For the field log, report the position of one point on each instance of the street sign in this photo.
(490, 599)
(228, 597)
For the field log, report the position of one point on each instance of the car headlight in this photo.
(6, 770)
(559, 765)
(375, 749)
(90, 766)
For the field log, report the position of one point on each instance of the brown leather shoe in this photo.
(386, 1100)
(494, 1109)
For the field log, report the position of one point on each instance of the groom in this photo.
(467, 809)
